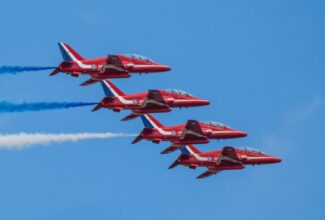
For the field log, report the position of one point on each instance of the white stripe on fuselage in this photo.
(220, 132)
(140, 66)
(82, 65)
(160, 130)
(120, 98)
(185, 100)
(257, 157)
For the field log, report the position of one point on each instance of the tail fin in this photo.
(190, 149)
(68, 53)
(150, 122)
(110, 89)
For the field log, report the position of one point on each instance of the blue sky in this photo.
(260, 63)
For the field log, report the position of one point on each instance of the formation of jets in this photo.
(183, 136)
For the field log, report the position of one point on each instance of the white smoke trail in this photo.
(24, 140)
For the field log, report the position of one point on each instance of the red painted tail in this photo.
(150, 122)
(190, 149)
(110, 89)
(68, 53)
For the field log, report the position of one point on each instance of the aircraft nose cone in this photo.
(271, 159)
(276, 160)
(201, 102)
(242, 134)
(205, 102)
(164, 68)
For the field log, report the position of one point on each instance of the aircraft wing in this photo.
(192, 131)
(154, 99)
(228, 157)
(207, 174)
(114, 63)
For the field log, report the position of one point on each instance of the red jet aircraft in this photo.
(147, 102)
(193, 132)
(228, 158)
(110, 66)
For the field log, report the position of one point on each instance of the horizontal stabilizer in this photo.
(171, 149)
(137, 139)
(89, 82)
(174, 164)
(130, 117)
(97, 107)
(55, 71)
(208, 173)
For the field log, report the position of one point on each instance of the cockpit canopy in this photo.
(253, 150)
(138, 57)
(215, 124)
(177, 92)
